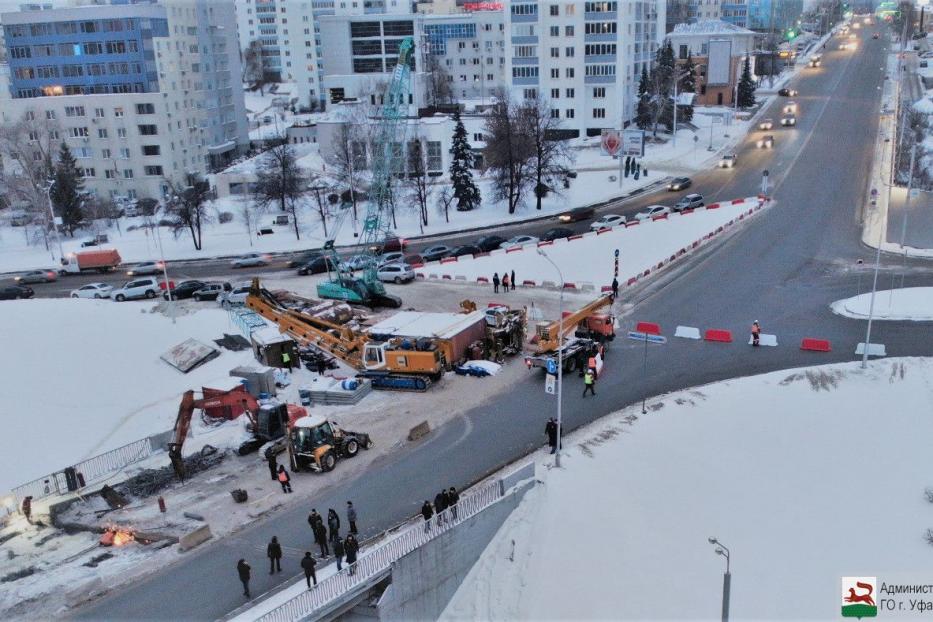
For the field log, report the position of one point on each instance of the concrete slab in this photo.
(874, 349)
(687, 332)
(764, 340)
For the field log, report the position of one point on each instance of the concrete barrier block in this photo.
(419, 431)
(460, 277)
(551, 284)
(687, 332)
(192, 539)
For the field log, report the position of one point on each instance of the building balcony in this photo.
(608, 16)
(600, 58)
(530, 60)
(524, 40)
(599, 80)
(524, 19)
(525, 81)
(600, 38)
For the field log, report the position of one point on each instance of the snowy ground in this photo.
(823, 477)
(910, 303)
(590, 258)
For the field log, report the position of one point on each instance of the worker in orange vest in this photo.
(756, 333)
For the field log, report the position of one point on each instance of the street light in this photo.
(677, 80)
(726, 578)
(560, 354)
(58, 235)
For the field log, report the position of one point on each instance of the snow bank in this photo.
(910, 303)
(823, 477)
(589, 259)
(84, 376)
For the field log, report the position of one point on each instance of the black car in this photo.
(555, 234)
(586, 212)
(466, 249)
(183, 290)
(315, 266)
(489, 242)
(679, 183)
(304, 258)
(12, 292)
(787, 93)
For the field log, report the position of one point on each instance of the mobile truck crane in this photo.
(394, 364)
(584, 334)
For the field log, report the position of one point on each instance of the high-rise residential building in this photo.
(778, 15)
(734, 12)
(691, 11)
(583, 58)
(143, 94)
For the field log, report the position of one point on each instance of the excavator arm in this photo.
(550, 337)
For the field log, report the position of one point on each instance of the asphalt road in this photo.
(783, 268)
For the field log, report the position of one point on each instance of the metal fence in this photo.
(378, 561)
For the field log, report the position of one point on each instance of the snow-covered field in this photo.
(84, 376)
(590, 258)
(807, 476)
(910, 303)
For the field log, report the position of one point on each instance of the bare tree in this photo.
(509, 151)
(188, 206)
(99, 210)
(348, 159)
(551, 156)
(247, 217)
(439, 89)
(281, 182)
(444, 201)
(253, 67)
(418, 183)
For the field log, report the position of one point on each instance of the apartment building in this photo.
(142, 93)
(691, 11)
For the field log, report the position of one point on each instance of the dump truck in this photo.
(315, 444)
(585, 334)
(100, 260)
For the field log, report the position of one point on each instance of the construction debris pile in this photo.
(151, 481)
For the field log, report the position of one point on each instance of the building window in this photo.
(599, 113)
(599, 92)
(524, 9)
(524, 72)
(683, 52)
(118, 112)
(121, 132)
(435, 161)
(88, 172)
(555, 93)
(554, 10)
(555, 31)
(145, 108)
(571, 93)
(49, 114)
(128, 172)
(555, 113)
(125, 153)
(555, 52)
(568, 31)
(78, 132)
(105, 154)
(83, 152)
(555, 73)
(99, 113)
(531, 93)
(151, 150)
(74, 111)
(148, 130)
(102, 133)
(109, 174)
(598, 49)
(153, 171)
(569, 72)
(478, 137)
(569, 113)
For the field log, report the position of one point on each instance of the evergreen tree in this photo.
(746, 90)
(688, 84)
(461, 173)
(68, 191)
(643, 111)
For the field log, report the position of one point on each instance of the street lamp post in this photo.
(560, 355)
(726, 577)
(58, 233)
(677, 80)
(168, 288)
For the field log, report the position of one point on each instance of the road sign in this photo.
(552, 366)
(550, 384)
(637, 336)
(617, 252)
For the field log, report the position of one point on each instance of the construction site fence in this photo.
(92, 470)
(377, 562)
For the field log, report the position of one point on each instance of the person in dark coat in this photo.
(321, 366)
(243, 569)
(320, 536)
(615, 288)
(333, 524)
(453, 497)
(495, 283)
(440, 504)
(352, 547)
(339, 553)
(274, 553)
(307, 564)
(284, 479)
(427, 512)
(314, 518)
(273, 464)
(513, 279)
(27, 509)
(551, 430)
(351, 517)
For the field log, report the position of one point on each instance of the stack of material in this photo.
(330, 391)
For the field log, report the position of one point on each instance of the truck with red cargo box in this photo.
(102, 260)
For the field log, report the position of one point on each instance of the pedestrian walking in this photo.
(321, 366)
(27, 509)
(351, 547)
(320, 537)
(339, 553)
(427, 512)
(440, 504)
(273, 464)
(495, 283)
(274, 553)
(589, 382)
(453, 497)
(287, 360)
(351, 517)
(307, 564)
(615, 288)
(333, 524)
(756, 333)
(242, 569)
(505, 282)
(284, 479)
(513, 280)
(551, 430)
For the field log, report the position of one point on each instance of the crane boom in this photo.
(549, 337)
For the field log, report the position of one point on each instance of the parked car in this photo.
(316, 265)
(12, 292)
(97, 240)
(490, 242)
(728, 160)
(210, 291)
(789, 120)
(788, 92)
(690, 201)
(413, 258)
(438, 251)
(37, 276)
(393, 243)
(387, 258)
(304, 258)
(519, 240)
(652, 211)
(556, 234)
(607, 221)
(765, 142)
(766, 124)
(183, 290)
(679, 183)
(815, 61)
(93, 290)
(359, 261)
(250, 260)
(577, 214)
(146, 267)
(237, 296)
(466, 249)
(396, 273)
(137, 288)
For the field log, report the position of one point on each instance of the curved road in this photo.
(782, 268)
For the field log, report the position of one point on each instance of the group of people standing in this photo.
(506, 281)
(446, 499)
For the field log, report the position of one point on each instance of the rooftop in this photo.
(710, 27)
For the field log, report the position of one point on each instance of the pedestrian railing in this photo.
(378, 561)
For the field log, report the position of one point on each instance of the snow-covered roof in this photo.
(423, 324)
(269, 335)
(923, 105)
(710, 27)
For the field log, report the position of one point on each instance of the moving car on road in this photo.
(765, 142)
(436, 252)
(304, 258)
(728, 160)
(766, 124)
(12, 292)
(790, 108)
(679, 183)
(93, 290)
(37, 276)
(556, 234)
(652, 211)
(690, 201)
(519, 240)
(607, 221)
(815, 61)
(578, 214)
(315, 266)
(182, 290)
(137, 288)
(396, 273)
(387, 258)
(466, 249)
(146, 267)
(875, 35)
(788, 120)
(788, 92)
(250, 260)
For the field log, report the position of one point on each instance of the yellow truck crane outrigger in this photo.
(396, 364)
(584, 331)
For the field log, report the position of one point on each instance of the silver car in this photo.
(250, 260)
(396, 273)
